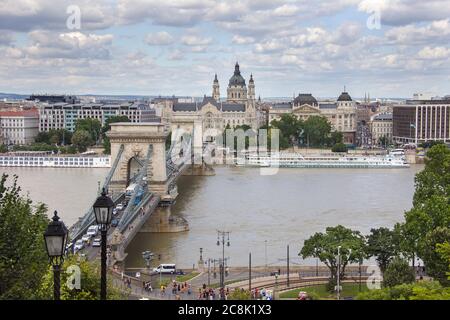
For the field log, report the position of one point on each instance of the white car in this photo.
(78, 245)
(165, 268)
(92, 231)
(97, 242)
(119, 206)
(86, 237)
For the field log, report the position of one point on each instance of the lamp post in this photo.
(55, 243)
(222, 234)
(338, 273)
(103, 208)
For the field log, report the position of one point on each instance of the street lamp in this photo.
(103, 208)
(222, 234)
(338, 273)
(55, 243)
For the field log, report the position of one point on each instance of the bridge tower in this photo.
(136, 139)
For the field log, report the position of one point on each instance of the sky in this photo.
(388, 48)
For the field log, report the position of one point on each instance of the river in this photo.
(263, 213)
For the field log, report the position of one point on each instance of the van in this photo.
(165, 268)
(92, 230)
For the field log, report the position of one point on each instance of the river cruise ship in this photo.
(33, 159)
(296, 160)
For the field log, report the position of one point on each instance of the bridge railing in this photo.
(88, 219)
(129, 213)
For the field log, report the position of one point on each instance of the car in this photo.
(78, 245)
(114, 222)
(119, 207)
(97, 242)
(92, 231)
(115, 211)
(86, 237)
(165, 268)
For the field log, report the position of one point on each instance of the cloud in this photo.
(6, 38)
(159, 39)
(411, 34)
(404, 12)
(27, 15)
(191, 40)
(237, 39)
(72, 45)
(435, 53)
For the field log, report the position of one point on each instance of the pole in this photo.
(56, 282)
(317, 267)
(287, 266)
(250, 272)
(222, 279)
(209, 272)
(103, 263)
(338, 272)
(360, 263)
(265, 253)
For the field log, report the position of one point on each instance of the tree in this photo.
(89, 282)
(324, 246)
(3, 148)
(444, 251)
(91, 125)
(107, 127)
(383, 141)
(434, 179)
(23, 258)
(290, 129)
(339, 147)
(81, 139)
(317, 130)
(398, 272)
(437, 266)
(335, 138)
(381, 244)
(424, 290)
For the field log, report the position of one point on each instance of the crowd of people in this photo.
(205, 293)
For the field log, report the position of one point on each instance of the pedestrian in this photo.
(189, 290)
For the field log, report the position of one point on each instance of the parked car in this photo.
(78, 245)
(92, 230)
(85, 238)
(119, 207)
(97, 242)
(115, 211)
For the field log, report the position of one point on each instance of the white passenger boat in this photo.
(296, 160)
(54, 161)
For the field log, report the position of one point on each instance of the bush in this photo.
(339, 147)
(398, 272)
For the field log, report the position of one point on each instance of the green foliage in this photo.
(424, 290)
(339, 147)
(335, 138)
(23, 258)
(89, 282)
(444, 251)
(435, 178)
(82, 139)
(324, 246)
(290, 129)
(92, 126)
(36, 147)
(107, 127)
(317, 130)
(397, 272)
(382, 244)
(3, 148)
(436, 265)
(54, 136)
(239, 294)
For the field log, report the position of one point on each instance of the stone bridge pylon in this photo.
(136, 140)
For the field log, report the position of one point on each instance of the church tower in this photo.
(251, 88)
(216, 90)
(237, 89)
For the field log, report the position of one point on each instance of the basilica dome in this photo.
(237, 79)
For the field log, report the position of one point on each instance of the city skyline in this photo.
(385, 48)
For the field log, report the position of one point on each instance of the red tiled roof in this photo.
(24, 113)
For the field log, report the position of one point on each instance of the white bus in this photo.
(129, 191)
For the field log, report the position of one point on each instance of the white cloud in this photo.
(435, 53)
(192, 40)
(159, 38)
(237, 39)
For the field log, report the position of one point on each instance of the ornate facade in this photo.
(239, 108)
(340, 113)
